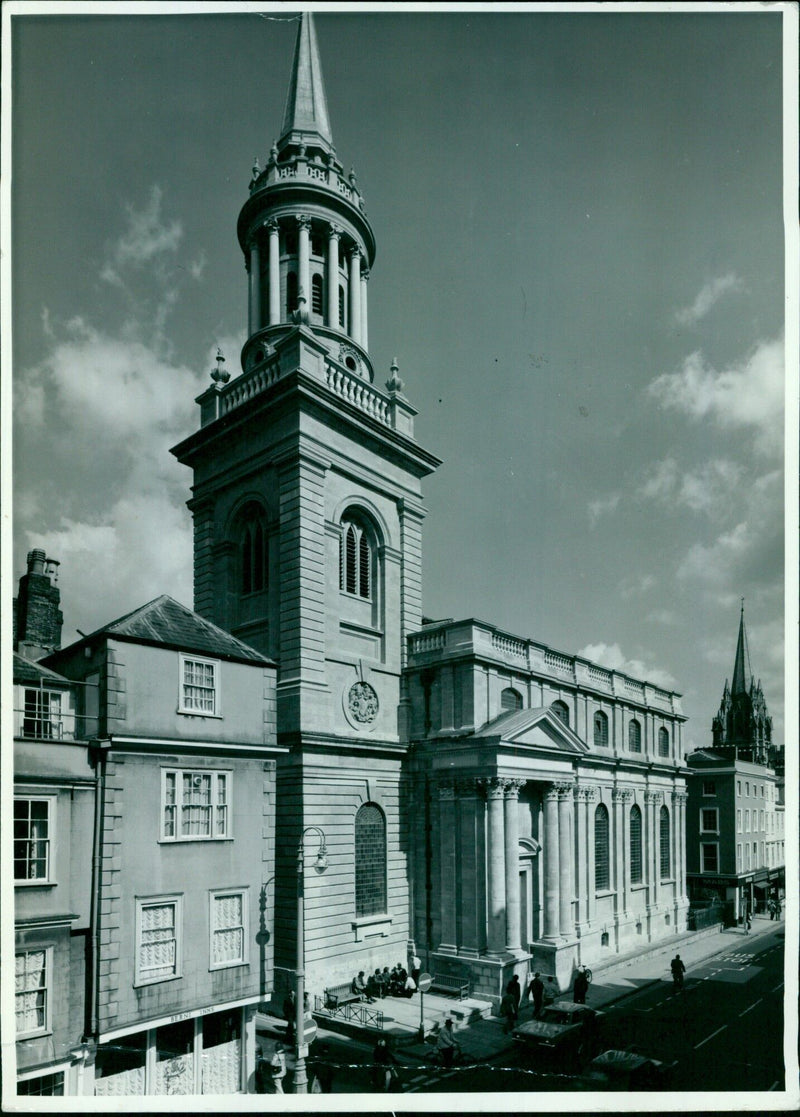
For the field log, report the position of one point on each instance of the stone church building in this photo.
(485, 801)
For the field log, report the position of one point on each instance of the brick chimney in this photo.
(37, 617)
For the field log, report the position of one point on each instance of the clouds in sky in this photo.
(707, 297)
(612, 657)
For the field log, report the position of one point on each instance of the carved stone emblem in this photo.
(362, 702)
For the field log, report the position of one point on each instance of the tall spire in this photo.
(306, 116)
(742, 672)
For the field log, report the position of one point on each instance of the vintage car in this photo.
(627, 1071)
(563, 1028)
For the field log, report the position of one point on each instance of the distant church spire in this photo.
(743, 726)
(306, 115)
(742, 672)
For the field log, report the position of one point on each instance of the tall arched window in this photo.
(634, 736)
(510, 699)
(342, 308)
(663, 835)
(316, 294)
(600, 729)
(370, 852)
(636, 845)
(663, 742)
(291, 293)
(601, 870)
(355, 560)
(561, 710)
(253, 554)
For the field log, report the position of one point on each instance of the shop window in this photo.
(370, 858)
(158, 940)
(634, 736)
(32, 974)
(194, 804)
(510, 699)
(119, 1067)
(561, 710)
(228, 924)
(601, 859)
(174, 1069)
(663, 742)
(42, 714)
(636, 844)
(222, 1052)
(709, 857)
(664, 843)
(32, 827)
(199, 691)
(600, 730)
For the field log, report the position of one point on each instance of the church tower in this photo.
(743, 727)
(307, 513)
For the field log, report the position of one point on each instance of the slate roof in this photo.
(165, 621)
(26, 671)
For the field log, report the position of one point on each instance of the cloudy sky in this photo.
(580, 271)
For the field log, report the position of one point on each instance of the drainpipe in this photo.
(93, 976)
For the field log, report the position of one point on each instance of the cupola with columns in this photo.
(307, 243)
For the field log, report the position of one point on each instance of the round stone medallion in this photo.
(362, 703)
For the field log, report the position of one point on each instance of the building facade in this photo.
(735, 842)
(307, 510)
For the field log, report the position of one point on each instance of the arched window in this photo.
(355, 560)
(634, 736)
(663, 835)
(561, 710)
(253, 554)
(510, 699)
(316, 294)
(601, 872)
(636, 845)
(600, 730)
(291, 293)
(370, 861)
(342, 305)
(663, 742)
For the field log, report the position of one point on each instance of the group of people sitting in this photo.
(397, 982)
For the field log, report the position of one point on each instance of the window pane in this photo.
(30, 991)
(31, 839)
(228, 929)
(664, 836)
(364, 561)
(158, 946)
(635, 736)
(601, 871)
(370, 856)
(636, 845)
(350, 559)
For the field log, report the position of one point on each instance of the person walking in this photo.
(580, 987)
(263, 1073)
(383, 1070)
(678, 970)
(536, 993)
(508, 1010)
(416, 969)
(278, 1068)
(446, 1044)
(320, 1070)
(515, 989)
(746, 922)
(289, 1014)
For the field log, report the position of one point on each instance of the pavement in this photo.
(482, 1037)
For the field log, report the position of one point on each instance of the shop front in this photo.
(208, 1052)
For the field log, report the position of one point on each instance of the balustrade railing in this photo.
(353, 389)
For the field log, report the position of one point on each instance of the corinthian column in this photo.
(551, 866)
(304, 284)
(566, 924)
(652, 801)
(334, 233)
(620, 797)
(447, 859)
(355, 294)
(512, 790)
(496, 929)
(274, 273)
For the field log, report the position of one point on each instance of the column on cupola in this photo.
(355, 294)
(620, 797)
(566, 923)
(471, 861)
(551, 862)
(334, 234)
(448, 864)
(274, 273)
(512, 791)
(364, 328)
(303, 281)
(584, 888)
(496, 920)
(254, 317)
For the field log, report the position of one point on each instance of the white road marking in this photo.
(753, 1005)
(702, 1041)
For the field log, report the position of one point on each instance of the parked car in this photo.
(563, 1029)
(626, 1070)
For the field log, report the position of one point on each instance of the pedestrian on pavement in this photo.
(416, 969)
(446, 1044)
(581, 986)
(747, 923)
(508, 1010)
(263, 1073)
(678, 970)
(320, 1071)
(515, 990)
(536, 993)
(771, 909)
(278, 1068)
(384, 1064)
(289, 1013)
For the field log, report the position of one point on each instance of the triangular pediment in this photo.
(535, 728)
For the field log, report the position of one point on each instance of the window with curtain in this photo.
(561, 710)
(664, 836)
(602, 875)
(32, 992)
(370, 852)
(636, 844)
(600, 730)
(634, 736)
(31, 839)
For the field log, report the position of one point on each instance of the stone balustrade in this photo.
(353, 389)
(301, 168)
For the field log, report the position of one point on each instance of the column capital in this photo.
(559, 790)
(271, 225)
(364, 275)
(513, 788)
(354, 252)
(621, 795)
(493, 786)
(679, 797)
(469, 786)
(334, 231)
(585, 794)
(653, 797)
(446, 789)
(303, 221)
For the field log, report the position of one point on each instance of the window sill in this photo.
(199, 838)
(640, 886)
(198, 713)
(40, 1034)
(141, 983)
(227, 966)
(605, 892)
(370, 925)
(35, 883)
